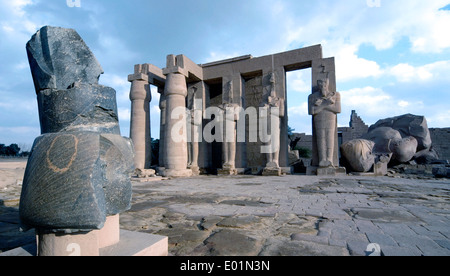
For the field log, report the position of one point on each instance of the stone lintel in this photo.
(183, 65)
(288, 61)
(148, 72)
(176, 70)
(138, 76)
(229, 60)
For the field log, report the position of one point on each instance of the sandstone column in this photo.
(140, 97)
(175, 138)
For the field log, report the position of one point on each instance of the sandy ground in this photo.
(11, 172)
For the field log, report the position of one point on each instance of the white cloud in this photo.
(349, 66)
(120, 84)
(15, 22)
(430, 72)
(124, 115)
(403, 104)
(299, 81)
(373, 101)
(301, 110)
(439, 118)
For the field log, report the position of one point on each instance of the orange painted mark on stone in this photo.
(55, 168)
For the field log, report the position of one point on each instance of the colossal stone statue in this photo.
(77, 177)
(324, 106)
(273, 110)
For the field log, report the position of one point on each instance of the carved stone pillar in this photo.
(175, 138)
(140, 97)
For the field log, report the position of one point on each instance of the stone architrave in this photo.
(77, 177)
(140, 96)
(324, 105)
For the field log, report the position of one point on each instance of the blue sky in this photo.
(392, 58)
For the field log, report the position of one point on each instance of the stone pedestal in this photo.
(380, 168)
(272, 172)
(109, 241)
(176, 173)
(79, 244)
(195, 171)
(331, 171)
(227, 171)
(141, 174)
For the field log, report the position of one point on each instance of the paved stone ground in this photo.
(295, 215)
(287, 216)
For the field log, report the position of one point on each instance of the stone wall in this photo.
(441, 142)
(357, 129)
(305, 140)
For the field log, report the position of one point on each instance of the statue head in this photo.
(323, 86)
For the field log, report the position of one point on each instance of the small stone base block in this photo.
(177, 173)
(141, 173)
(271, 172)
(138, 244)
(65, 245)
(131, 244)
(331, 171)
(195, 171)
(380, 168)
(227, 172)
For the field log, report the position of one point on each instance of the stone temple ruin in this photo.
(254, 89)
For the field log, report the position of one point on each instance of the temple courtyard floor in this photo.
(292, 215)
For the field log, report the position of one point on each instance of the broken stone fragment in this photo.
(84, 107)
(408, 125)
(59, 58)
(74, 180)
(78, 173)
(359, 154)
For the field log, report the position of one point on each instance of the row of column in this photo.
(174, 156)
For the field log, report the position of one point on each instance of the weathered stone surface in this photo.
(66, 186)
(84, 107)
(59, 58)
(441, 172)
(359, 154)
(79, 169)
(381, 137)
(403, 136)
(351, 210)
(232, 243)
(403, 150)
(408, 125)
